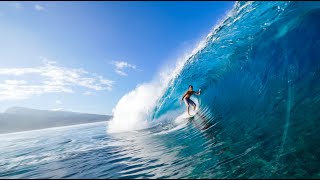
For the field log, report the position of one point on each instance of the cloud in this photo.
(121, 72)
(88, 93)
(38, 7)
(58, 102)
(62, 109)
(121, 65)
(23, 83)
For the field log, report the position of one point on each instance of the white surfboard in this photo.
(192, 113)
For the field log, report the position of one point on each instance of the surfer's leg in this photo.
(187, 105)
(193, 104)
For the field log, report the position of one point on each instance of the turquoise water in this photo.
(259, 71)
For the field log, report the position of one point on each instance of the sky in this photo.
(84, 56)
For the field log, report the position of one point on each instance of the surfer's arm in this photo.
(181, 99)
(183, 96)
(197, 93)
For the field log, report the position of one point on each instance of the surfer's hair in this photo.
(191, 86)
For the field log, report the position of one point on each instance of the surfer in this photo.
(187, 99)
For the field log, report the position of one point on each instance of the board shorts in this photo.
(188, 101)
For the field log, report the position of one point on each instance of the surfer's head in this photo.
(190, 87)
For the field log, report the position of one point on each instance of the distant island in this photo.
(17, 119)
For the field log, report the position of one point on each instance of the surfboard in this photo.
(192, 113)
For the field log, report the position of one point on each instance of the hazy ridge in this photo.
(23, 119)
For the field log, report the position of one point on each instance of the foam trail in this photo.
(133, 109)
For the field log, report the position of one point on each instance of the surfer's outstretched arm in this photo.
(197, 93)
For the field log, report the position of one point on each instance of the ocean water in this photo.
(259, 72)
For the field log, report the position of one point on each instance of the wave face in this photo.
(259, 72)
(263, 58)
(260, 65)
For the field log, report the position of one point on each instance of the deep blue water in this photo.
(259, 116)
